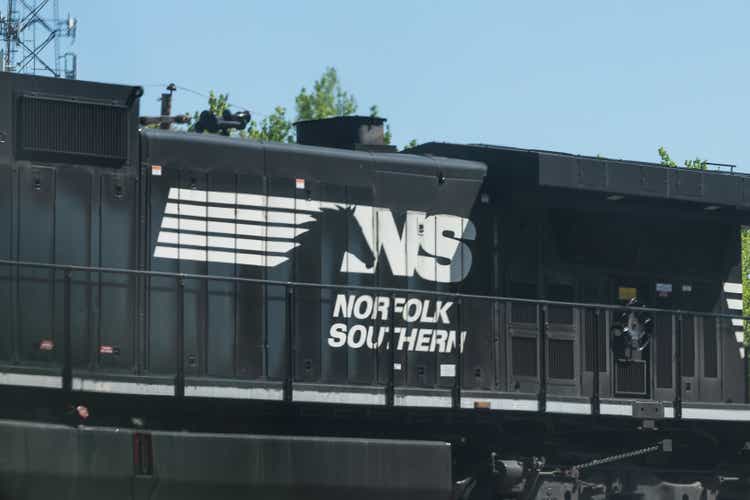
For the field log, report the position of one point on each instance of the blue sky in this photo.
(616, 78)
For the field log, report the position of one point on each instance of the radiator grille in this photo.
(64, 130)
(561, 359)
(524, 356)
(630, 378)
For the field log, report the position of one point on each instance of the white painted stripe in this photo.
(243, 214)
(256, 230)
(422, 401)
(116, 387)
(738, 322)
(716, 414)
(502, 403)
(245, 199)
(625, 410)
(30, 380)
(739, 337)
(448, 370)
(210, 391)
(200, 240)
(735, 304)
(216, 256)
(352, 398)
(396, 366)
(568, 407)
(733, 287)
(668, 412)
(742, 352)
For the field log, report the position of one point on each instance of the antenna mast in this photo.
(30, 31)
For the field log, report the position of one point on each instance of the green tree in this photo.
(411, 144)
(274, 127)
(667, 161)
(327, 99)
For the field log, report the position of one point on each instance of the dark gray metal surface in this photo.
(41, 461)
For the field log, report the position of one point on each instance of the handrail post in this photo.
(678, 368)
(390, 389)
(542, 314)
(179, 383)
(459, 358)
(289, 375)
(595, 401)
(67, 373)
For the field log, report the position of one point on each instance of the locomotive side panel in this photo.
(71, 216)
(117, 335)
(73, 245)
(318, 219)
(36, 233)
(7, 179)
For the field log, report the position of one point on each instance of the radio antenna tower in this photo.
(30, 33)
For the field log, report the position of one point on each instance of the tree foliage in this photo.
(666, 160)
(327, 99)
(274, 127)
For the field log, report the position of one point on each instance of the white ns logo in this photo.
(432, 247)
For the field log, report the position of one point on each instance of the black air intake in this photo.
(72, 131)
(630, 378)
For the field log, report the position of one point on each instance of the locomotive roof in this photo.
(608, 175)
(216, 151)
(415, 182)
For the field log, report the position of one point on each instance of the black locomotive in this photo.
(191, 315)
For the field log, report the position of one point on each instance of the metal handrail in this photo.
(542, 306)
(364, 288)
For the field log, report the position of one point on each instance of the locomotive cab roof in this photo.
(604, 178)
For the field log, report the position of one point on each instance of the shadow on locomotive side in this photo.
(478, 321)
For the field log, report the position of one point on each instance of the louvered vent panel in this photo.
(66, 131)
(630, 379)
(561, 359)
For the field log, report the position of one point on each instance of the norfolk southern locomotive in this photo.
(194, 316)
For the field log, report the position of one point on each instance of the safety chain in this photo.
(617, 458)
